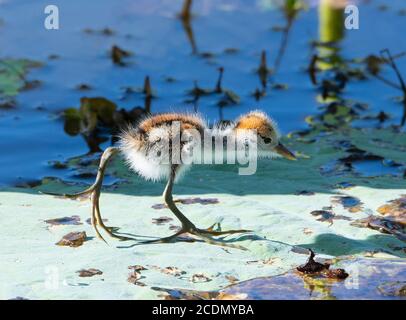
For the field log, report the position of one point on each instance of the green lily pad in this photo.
(12, 76)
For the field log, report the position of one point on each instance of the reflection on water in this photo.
(369, 279)
(331, 31)
(230, 35)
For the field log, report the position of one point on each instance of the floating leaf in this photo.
(133, 277)
(117, 55)
(383, 225)
(200, 277)
(328, 216)
(312, 266)
(94, 109)
(173, 271)
(13, 76)
(89, 272)
(161, 220)
(137, 268)
(73, 239)
(73, 119)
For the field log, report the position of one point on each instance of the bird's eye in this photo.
(267, 140)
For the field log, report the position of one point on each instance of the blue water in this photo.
(31, 137)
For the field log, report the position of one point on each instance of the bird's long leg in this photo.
(94, 193)
(187, 225)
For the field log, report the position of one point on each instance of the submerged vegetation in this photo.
(13, 79)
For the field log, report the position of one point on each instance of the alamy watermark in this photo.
(171, 145)
(352, 19)
(51, 21)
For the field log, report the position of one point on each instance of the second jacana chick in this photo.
(148, 146)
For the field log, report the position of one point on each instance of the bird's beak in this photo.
(284, 152)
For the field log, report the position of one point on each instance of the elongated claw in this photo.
(220, 233)
(169, 239)
(93, 192)
(215, 242)
(74, 196)
(197, 233)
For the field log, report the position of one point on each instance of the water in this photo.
(32, 133)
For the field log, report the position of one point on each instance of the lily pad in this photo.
(13, 76)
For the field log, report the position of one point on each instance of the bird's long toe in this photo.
(169, 239)
(218, 232)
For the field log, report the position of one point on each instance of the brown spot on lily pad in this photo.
(133, 278)
(232, 279)
(173, 271)
(135, 275)
(89, 272)
(174, 227)
(161, 220)
(137, 268)
(73, 220)
(307, 231)
(395, 210)
(200, 277)
(159, 206)
(72, 239)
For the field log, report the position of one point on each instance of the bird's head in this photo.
(257, 124)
